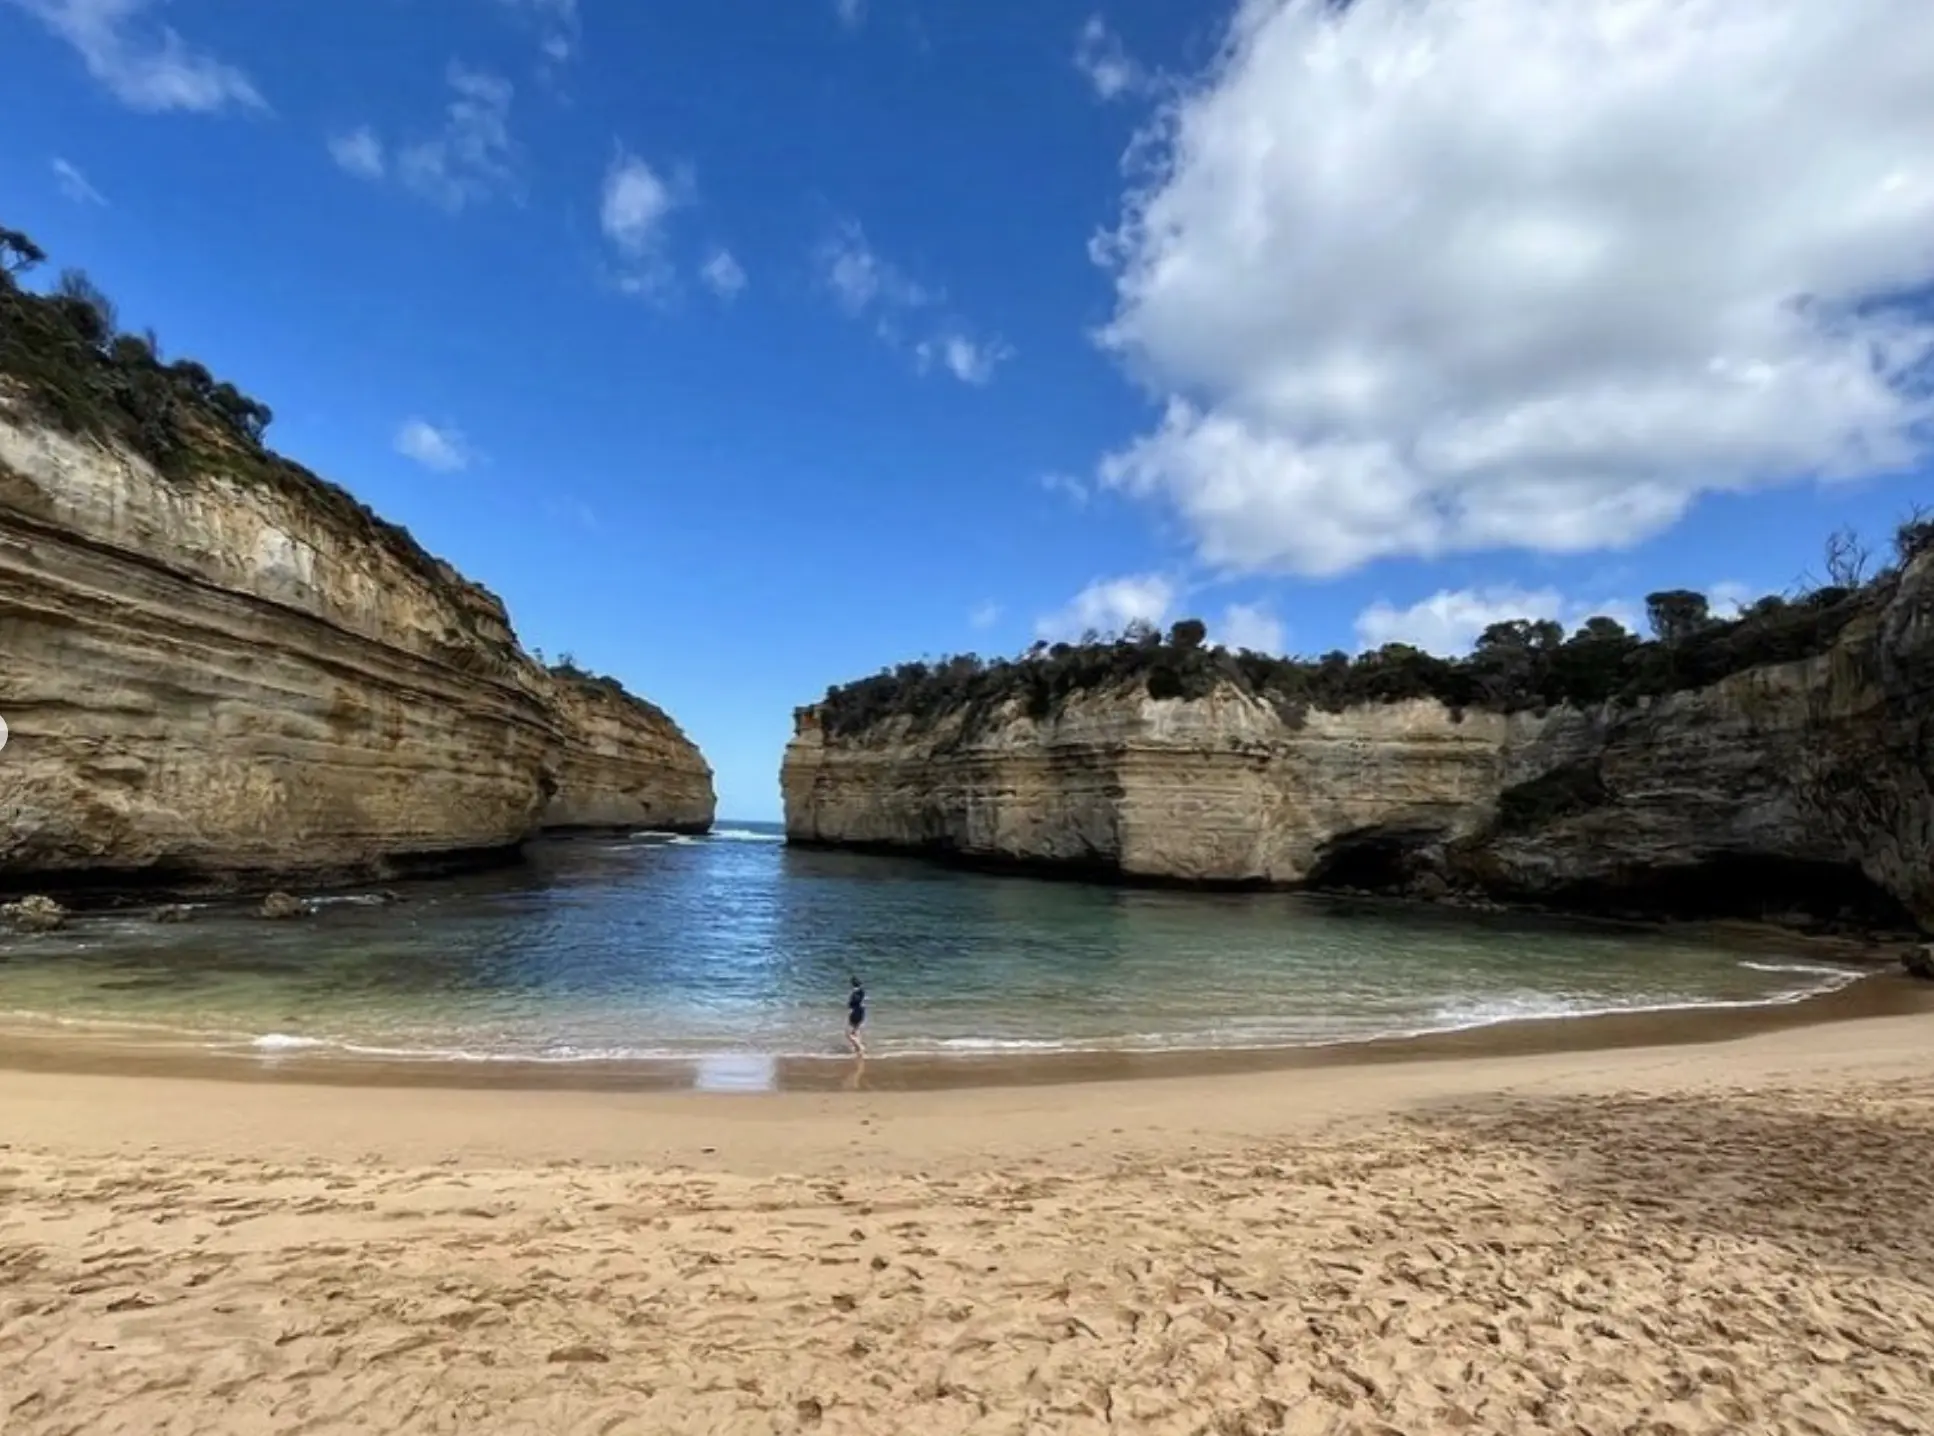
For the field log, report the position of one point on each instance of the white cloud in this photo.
(984, 615)
(1109, 605)
(723, 274)
(1728, 598)
(860, 279)
(359, 151)
(1100, 55)
(866, 285)
(146, 66)
(632, 211)
(472, 157)
(1249, 625)
(969, 360)
(442, 449)
(74, 184)
(1449, 622)
(851, 13)
(1425, 276)
(635, 201)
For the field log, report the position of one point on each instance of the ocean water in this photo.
(735, 947)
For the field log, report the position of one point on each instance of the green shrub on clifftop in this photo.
(63, 357)
(1521, 664)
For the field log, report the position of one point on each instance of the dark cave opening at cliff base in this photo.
(1741, 886)
(1372, 859)
(1747, 886)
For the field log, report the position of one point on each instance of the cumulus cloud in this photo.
(984, 615)
(723, 274)
(1449, 622)
(360, 152)
(1251, 626)
(1426, 276)
(1100, 55)
(636, 201)
(1110, 605)
(144, 64)
(632, 210)
(443, 449)
(74, 184)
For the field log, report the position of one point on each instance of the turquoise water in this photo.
(736, 945)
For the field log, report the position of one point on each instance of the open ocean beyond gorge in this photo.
(736, 946)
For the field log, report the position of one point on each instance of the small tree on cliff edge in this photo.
(1676, 614)
(18, 254)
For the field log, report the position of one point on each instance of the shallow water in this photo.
(735, 947)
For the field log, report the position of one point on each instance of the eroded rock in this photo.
(37, 913)
(279, 906)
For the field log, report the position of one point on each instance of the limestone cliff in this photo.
(233, 672)
(623, 762)
(1796, 785)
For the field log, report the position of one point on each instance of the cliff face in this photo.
(216, 678)
(1214, 790)
(1796, 785)
(623, 763)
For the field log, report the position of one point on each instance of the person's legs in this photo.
(853, 1039)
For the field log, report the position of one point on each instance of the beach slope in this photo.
(1696, 1239)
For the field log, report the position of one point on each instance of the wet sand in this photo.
(1723, 1236)
(93, 1050)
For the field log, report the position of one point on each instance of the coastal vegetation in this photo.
(65, 358)
(1515, 665)
(568, 670)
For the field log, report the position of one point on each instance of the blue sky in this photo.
(747, 347)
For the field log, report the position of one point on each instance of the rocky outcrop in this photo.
(237, 674)
(36, 913)
(623, 763)
(1216, 790)
(1796, 786)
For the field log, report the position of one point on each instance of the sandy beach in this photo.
(1723, 1237)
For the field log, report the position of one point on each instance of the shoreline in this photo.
(53, 1047)
(1704, 1239)
(116, 1105)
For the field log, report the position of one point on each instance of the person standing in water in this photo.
(855, 1017)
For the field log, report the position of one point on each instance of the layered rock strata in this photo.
(1801, 785)
(217, 680)
(623, 763)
